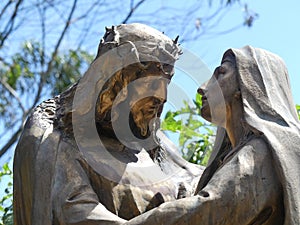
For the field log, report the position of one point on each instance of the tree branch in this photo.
(10, 25)
(15, 136)
(49, 67)
(5, 7)
(13, 93)
(11, 141)
(41, 11)
(132, 11)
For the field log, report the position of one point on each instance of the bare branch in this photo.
(132, 11)
(13, 93)
(2, 60)
(68, 22)
(49, 67)
(41, 11)
(15, 136)
(11, 141)
(5, 7)
(10, 25)
(89, 22)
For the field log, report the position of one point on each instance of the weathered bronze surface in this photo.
(253, 173)
(71, 166)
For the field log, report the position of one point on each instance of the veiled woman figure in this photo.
(253, 176)
(260, 145)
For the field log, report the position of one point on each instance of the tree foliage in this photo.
(6, 200)
(195, 134)
(298, 110)
(24, 82)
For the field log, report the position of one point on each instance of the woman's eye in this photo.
(221, 70)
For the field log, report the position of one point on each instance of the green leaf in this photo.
(6, 205)
(194, 134)
(198, 101)
(194, 124)
(170, 123)
(5, 170)
(298, 110)
(13, 75)
(190, 133)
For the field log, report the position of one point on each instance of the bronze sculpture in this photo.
(63, 175)
(88, 156)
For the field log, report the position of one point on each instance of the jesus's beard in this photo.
(145, 113)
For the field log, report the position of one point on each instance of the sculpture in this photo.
(253, 176)
(89, 155)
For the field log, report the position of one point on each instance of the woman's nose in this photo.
(202, 89)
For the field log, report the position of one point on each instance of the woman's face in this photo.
(218, 92)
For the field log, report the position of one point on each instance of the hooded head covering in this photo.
(124, 51)
(268, 109)
(122, 46)
(149, 44)
(140, 50)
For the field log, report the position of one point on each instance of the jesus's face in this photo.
(147, 96)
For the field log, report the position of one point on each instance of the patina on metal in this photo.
(70, 166)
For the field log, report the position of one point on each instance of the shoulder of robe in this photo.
(259, 145)
(42, 118)
(40, 126)
(256, 150)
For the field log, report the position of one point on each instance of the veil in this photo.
(269, 109)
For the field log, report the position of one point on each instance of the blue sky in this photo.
(276, 29)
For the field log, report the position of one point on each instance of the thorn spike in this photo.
(176, 39)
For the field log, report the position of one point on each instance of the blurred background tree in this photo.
(46, 45)
(6, 205)
(195, 134)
